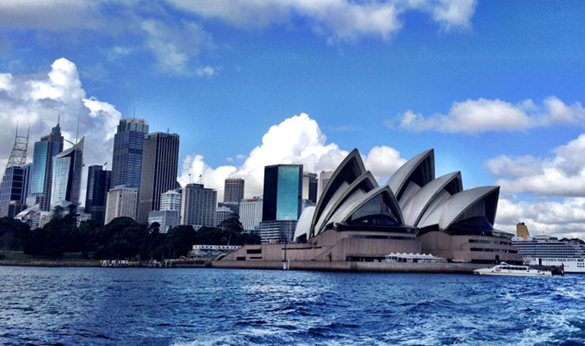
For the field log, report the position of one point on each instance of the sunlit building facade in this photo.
(66, 180)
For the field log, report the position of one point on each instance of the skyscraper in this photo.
(66, 180)
(98, 185)
(14, 185)
(310, 187)
(42, 169)
(122, 201)
(251, 213)
(282, 192)
(198, 206)
(11, 189)
(324, 177)
(160, 162)
(26, 172)
(222, 214)
(170, 200)
(128, 148)
(233, 190)
(283, 185)
(170, 211)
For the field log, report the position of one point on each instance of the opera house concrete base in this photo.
(482, 249)
(355, 250)
(388, 267)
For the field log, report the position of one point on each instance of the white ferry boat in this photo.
(504, 269)
(550, 251)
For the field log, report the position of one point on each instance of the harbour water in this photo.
(114, 306)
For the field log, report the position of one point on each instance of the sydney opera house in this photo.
(357, 220)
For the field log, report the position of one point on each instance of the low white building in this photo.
(122, 201)
(251, 213)
(208, 252)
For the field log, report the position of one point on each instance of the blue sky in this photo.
(221, 73)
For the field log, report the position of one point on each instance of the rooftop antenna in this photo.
(134, 115)
(77, 134)
(18, 154)
(59, 120)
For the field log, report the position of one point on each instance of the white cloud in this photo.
(514, 167)
(175, 46)
(297, 139)
(547, 193)
(49, 14)
(564, 218)
(453, 13)
(339, 19)
(483, 115)
(38, 100)
(206, 71)
(560, 175)
(116, 52)
(382, 161)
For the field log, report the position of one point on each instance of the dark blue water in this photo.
(77, 306)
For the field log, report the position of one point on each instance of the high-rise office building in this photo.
(198, 206)
(324, 177)
(310, 187)
(282, 192)
(11, 191)
(42, 170)
(14, 185)
(122, 201)
(96, 196)
(283, 185)
(128, 148)
(170, 211)
(251, 213)
(222, 214)
(233, 190)
(26, 171)
(160, 162)
(234, 206)
(66, 181)
(170, 200)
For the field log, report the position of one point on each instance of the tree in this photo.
(121, 238)
(13, 234)
(153, 241)
(178, 242)
(232, 225)
(34, 245)
(58, 212)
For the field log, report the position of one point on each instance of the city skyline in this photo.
(474, 77)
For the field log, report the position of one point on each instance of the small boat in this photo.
(505, 269)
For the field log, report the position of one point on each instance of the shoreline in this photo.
(270, 265)
(49, 263)
(355, 267)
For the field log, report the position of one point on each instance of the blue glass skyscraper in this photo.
(128, 148)
(282, 192)
(42, 169)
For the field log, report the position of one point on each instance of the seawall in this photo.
(355, 266)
